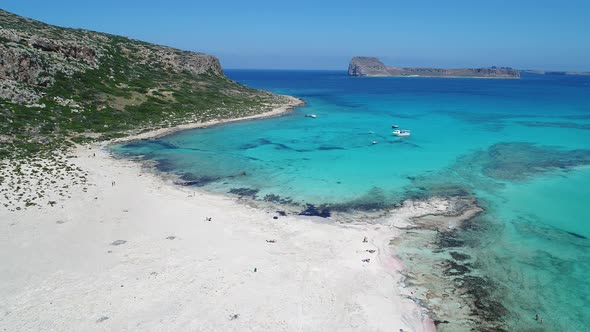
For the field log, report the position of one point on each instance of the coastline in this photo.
(275, 112)
(127, 249)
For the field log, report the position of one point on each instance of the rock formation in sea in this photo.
(371, 66)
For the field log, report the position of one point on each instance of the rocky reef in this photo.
(440, 274)
(371, 66)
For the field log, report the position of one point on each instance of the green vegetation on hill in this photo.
(60, 86)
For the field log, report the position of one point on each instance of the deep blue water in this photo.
(521, 147)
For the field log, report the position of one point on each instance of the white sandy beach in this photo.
(140, 255)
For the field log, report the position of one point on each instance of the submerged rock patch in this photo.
(311, 210)
(571, 125)
(445, 280)
(375, 199)
(328, 148)
(196, 181)
(247, 192)
(514, 161)
(273, 198)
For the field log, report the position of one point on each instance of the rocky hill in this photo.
(69, 85)
(370, 66)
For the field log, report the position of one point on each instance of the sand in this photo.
(129, 250)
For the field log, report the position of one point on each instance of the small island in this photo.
(373, 67)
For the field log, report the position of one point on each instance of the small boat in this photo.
(401, 133)
(311, 116)
(374, 142)
(395, 126)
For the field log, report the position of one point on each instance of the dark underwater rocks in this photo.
(196, 181)
(579, 236)
(532, 227)
(487, 169)
(569, 125)
(453, 268)
(244, 192)
(313, 211)
(276, 199)
(485, 306)
(328, 148)
(375, 199)
(514, 161)
(282, 146)
(404, 142)
(164, 144)
(449, 240)
(248, 146)
(445, 279)
(264, 141)
(459, 256)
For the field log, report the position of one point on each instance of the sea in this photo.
(519, 147)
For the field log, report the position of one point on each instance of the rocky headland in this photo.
(61, 86)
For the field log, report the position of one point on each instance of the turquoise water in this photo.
(522, 147)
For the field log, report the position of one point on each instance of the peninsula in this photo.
(371, 66)
(61, 86)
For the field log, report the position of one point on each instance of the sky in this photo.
(304, 34)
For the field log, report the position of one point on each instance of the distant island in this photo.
(554, 72)
(371, 66)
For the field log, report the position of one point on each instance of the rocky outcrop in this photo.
(61, 86)
(23, 66)
(367, 66)
(195, 63)
(33, 53)
(174, 59)
(370, 66)
(68, 50)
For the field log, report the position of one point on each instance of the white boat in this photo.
(311, 116)
(401, 133)
(374, 142)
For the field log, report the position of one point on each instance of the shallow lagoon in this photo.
(522, 147)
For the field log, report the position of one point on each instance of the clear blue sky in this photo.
(324, 34)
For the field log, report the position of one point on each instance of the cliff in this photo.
(367, 66)
(370, 66)
(64, 85)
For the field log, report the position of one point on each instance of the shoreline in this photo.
(275, 112)
(112, 248)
